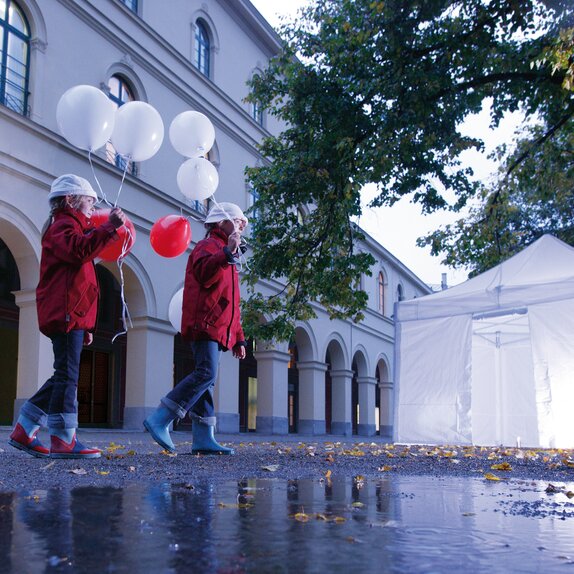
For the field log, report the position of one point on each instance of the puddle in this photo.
(392, 525)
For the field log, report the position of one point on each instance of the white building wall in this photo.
(85, 42)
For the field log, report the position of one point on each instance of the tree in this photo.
(534, 198)
(374, 91)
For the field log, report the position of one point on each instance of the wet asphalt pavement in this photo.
(133, 457)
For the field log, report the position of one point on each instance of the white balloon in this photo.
(85, 117)
(138, 132)
(192, 134)
(197, 178)
(175, 310)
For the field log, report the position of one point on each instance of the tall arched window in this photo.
(257, 110)
(120, 93)
(400, 294)
(381, 293)
(15, 55)
(252, 198)
(202, 48)
(131, 4)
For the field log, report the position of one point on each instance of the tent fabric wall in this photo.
(436, 401)
(491, 361)
(553, 357)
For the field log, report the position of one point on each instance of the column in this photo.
(367, 402)
(311, 397)
(226, 394)
(35, 355)
(386, 412)
(149, 368)
(272, 370)
(341, 422)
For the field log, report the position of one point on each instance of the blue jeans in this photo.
(195, 391)
(56, 403)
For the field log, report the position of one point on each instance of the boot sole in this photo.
(31, 451)
(219, 452)
(157, 439)
(77, 455)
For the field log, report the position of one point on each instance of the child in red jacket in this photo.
(67, 304)
(211, 322)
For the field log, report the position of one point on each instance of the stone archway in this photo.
(312, 383)
(9, 319)
(385, 398)
(338, 382)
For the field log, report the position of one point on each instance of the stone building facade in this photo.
(334, 377)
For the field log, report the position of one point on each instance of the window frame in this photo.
(125, 86)
(381, 293)
(9, 30)
(202, 49)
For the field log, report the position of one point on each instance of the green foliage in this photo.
(374, 91)
(537, 197)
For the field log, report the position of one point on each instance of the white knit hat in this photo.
(224, 210)
(70, 184)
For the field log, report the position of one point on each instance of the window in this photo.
(400, 294)
(202, 48)
(253, 197)
(257, 112)
(202, 207)
(381, 293)
(256, 107)
(300, 216)
(15, 54)
(131, 4)
(120, 93)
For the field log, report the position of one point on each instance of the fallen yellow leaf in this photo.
(501, 466)
(490, 476)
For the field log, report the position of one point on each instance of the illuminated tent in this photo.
(491, 361)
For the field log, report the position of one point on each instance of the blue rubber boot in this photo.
(157, 424)
(204, 442)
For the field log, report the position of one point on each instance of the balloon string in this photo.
(127, 162)
(126, 318)
(102, 194)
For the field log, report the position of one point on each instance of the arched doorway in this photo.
(328, 394)
(248, 390)
(9, 315)
(384, 399)
(293, 389)
(101, 385)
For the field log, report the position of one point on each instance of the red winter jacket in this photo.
(211, 294)
(67, 293)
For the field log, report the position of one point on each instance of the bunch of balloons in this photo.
(88, 119)
(192, 135)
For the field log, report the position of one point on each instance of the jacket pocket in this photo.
(85, 301)
(213, 315)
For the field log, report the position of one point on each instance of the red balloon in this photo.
(122, 245)
(170, 235)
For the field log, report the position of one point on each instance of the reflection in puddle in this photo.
(396, 524)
